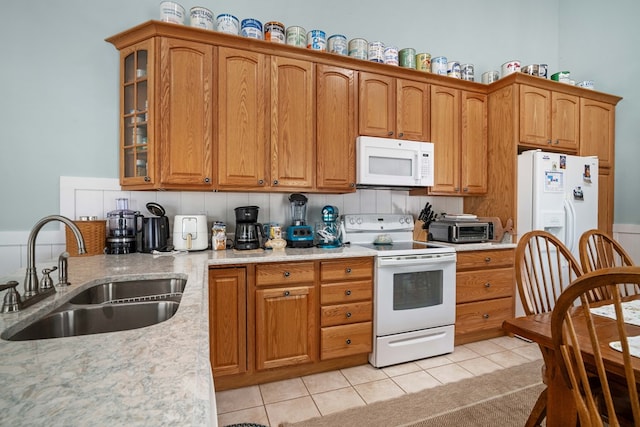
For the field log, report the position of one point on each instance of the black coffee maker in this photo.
(249, 234)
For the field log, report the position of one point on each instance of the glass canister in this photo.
(219, 236)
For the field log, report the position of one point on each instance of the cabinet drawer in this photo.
(345, 269)
(342, 314)
(485, 259)
(345, 340)
(477, 316)
(484, 284)
(346, 291)
(283, 273)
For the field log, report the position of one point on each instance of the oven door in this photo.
(414, 292)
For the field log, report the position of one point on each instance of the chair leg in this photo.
(539, 411)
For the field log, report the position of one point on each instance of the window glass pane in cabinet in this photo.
(129, 98)
(141, 99)
(129, 68)
(129, 163)
(141, 66)
(141, 136)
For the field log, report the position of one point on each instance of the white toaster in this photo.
(190, 232)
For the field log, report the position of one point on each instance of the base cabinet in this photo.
(485, 284)
(273, 321)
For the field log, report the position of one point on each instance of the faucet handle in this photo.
(47, 282)
(12, 300)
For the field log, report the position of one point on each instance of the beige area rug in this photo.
(501, 398)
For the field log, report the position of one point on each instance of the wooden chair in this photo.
(572, 317)
(544, 268)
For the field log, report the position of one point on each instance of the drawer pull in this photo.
(487, 285)
(485, 316)
(286, 274)
(487, 259)
(348, 270)
(348, 314)
(348, 341)
(347, 292)
(286, 293)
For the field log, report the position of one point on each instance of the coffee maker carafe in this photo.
(329, 232)
(249, 233)
(122, 231)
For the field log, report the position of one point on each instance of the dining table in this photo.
(561, 408)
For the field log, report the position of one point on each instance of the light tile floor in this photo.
(310, 396)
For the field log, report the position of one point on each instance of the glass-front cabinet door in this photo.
(136, 96)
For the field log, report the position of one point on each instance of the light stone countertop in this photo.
(157, 375)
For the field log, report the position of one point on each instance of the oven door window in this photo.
(417, 289)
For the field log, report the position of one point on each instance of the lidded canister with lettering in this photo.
(423, 62)
(274, 32)
(317, 40)
(453, 69)
(337, 43)
(227, 23)
(407, 57)
(358, 48)
(375, 52)
(251, 28)
(467, 72)
(296, 36)
(391, 55)
(439, 65)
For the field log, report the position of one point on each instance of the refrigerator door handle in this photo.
(570, 225)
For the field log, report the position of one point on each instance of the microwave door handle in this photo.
(416, 168)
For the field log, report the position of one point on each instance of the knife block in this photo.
(419, 233)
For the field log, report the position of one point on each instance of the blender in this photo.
(299, 234)
(329, 232)
(122, 225)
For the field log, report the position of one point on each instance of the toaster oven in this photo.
(461, 231)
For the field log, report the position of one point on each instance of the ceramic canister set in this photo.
(359, 48)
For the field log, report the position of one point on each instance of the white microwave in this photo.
(385, 162)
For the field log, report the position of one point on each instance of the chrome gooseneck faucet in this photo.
(31, 282)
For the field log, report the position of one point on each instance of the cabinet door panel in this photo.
(605, 200)
(377, 105)
(535, 116)
(336, 111)
(285, 327)
(242, 130)
(292, 114)
(597, 129)
(412, 110)
(186, 108)
(473, 145)
(565, 121)
(445, 135)
(228, 320)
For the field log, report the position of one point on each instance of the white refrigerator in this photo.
(557, 193)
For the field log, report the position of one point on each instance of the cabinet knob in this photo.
(275, 182)
(286, 274)
(465, 190)
(456, 189)
(390, 133)
(487, 259)
(557, 141)
(485, 316)
(487, 285)
(353, 184)
(261, 182)
(401, 134)
(549, 141)
(347, 270)
(147, 179)
(348, 341)
(347, 292)
(207, 180)
(348, 314)
(286, 293)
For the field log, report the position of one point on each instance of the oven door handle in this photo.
(425, 259)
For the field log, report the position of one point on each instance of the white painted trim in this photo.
(626, 228)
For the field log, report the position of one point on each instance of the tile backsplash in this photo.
(81, 196)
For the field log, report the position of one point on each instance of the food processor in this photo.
(122, 225)
(329, 232)
(299, 234)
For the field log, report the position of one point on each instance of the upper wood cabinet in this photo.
(549, 120)
(166, 121)
(393, 107)
(597, 130)
(459, 132)
(336, 110)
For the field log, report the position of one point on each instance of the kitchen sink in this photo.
(132, 291)
(107, 307)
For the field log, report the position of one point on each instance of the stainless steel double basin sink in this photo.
(108, 307)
